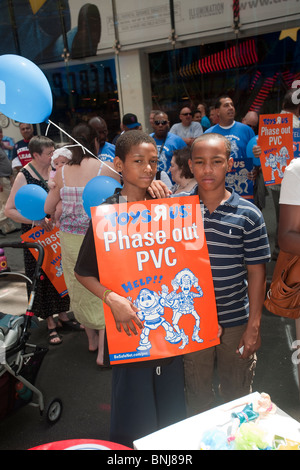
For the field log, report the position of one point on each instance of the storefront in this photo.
(114, 57)
(254, 71)
(82, 90)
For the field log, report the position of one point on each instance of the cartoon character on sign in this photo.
(182, 303)
(59, 270)
(230, 179)
(272, 160)
(283, 159)
(152, 314)
(237, 179)
(242, 179)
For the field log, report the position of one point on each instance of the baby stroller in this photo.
(20, 361)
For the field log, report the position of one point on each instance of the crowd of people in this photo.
(190, 157)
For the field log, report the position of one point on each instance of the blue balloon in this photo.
(30, 200)
(25, 93)
(97, 190)
(249, 152)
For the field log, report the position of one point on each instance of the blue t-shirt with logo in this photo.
(166, 149)
(107, 152)
(238, 134)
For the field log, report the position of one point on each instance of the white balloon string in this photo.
(83, 148)
(46, 133)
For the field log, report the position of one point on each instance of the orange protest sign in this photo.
(52, 255)
(154, 252)
(276, 141)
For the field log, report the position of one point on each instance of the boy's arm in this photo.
(256, 291)
(123, 310)
(86, 272)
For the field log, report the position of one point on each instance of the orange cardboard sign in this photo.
(154, 253)
(52, 255)
(276, 141)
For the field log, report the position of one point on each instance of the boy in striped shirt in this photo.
(238, 250)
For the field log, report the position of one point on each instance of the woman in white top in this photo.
(289, 220)
(70, 181)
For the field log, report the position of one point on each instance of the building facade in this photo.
(112, 57)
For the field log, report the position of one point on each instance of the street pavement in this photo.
(69, 371)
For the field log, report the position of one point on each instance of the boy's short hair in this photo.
(213, 135)
(129, 139)
(38, 143)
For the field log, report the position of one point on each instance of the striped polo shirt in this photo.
(236, 235)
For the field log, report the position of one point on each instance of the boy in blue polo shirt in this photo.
(238, 250)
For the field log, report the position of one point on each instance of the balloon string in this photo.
(46, 133)
(91, 153)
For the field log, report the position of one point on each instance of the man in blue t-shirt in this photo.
(106, 151)
(242, 177)
(166, 141)
(237, 133)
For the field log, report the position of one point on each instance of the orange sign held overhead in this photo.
(155, 253)
(52, 255)
(276, 141)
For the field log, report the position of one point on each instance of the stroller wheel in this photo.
(54, 410)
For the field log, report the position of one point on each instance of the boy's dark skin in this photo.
(209, 163)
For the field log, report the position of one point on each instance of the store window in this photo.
(254, 71)
(82, 91)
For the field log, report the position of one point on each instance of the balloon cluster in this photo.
(30, 199)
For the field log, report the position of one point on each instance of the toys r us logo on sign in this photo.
(154, 253)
